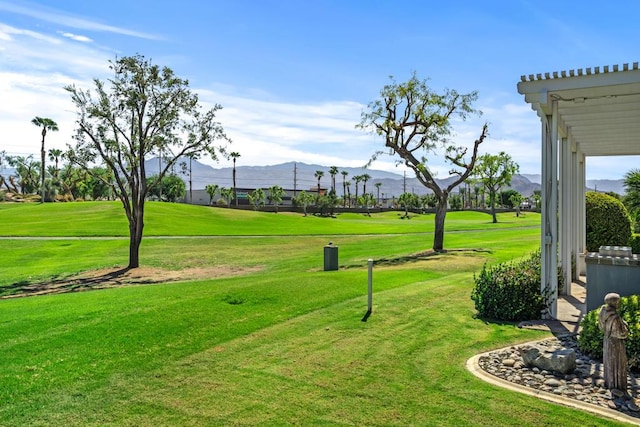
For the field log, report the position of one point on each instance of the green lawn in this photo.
(281, 345)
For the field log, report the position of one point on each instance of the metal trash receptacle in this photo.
(330, 257)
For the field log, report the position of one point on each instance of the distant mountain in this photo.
(300, 176)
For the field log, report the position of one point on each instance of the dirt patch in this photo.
(117, 277)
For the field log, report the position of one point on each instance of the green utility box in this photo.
(330, 257)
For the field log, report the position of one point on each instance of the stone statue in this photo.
(614, 355)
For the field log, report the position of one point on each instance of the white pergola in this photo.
(584, 112)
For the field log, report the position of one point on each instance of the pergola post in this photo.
(575, 211)
(566, 213)
(549, 229)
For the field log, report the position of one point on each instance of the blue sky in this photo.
(294, 76)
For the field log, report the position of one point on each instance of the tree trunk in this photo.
(492, 200)
(441, 214)
(136, 225)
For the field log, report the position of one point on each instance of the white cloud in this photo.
(75, 37)
(60, 18)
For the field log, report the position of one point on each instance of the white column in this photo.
(582, 191)
(565, 213)
(575, 209)
(549, 226)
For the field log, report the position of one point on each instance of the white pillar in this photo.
(566, 213)
(549, 226)
(582, 215)
(575, 210)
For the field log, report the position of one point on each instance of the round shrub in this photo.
(590, 340)
(608, 222)
(511, 291)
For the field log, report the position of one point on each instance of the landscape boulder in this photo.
(562, 360)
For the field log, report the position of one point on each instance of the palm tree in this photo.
(365, 177)
(333, 171)
(46, 124)
(348, 193)
(318, 174)
(234, 155)
(54, 156)
(226, 194)
(344, 186)
(211, 190)
(378, 185)
(357, 179)
(275, 195)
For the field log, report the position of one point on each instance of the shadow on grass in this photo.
(420, 256)
(62, 285)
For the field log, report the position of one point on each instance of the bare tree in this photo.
(415, 123)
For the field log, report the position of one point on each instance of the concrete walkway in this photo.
(571, 310)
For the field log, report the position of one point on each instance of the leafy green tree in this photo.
(275, 194)
(26, 173)
(537, 198)
(428, 201)
(256, 198)
(304, 199)
(506, 198)
(171, 189)
(367, 200)
(516, 200)
(632, 197)
(408, 201)
(494, 172)
(212, 190)
(415, 123)
(142, 109)
(455, 200)
(47, 125)
(226, 194)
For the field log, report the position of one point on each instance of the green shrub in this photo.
(608, 222)
(511, 291)
(634, 242)
(590, 340)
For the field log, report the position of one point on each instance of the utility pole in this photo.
(295, 178)
(404, 182)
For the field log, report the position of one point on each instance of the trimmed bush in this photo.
(510, 291)
(608, 222)
(634, 242)
(590, 340)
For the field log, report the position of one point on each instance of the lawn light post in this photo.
(370, 287)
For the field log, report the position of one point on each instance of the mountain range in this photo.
(301, 176)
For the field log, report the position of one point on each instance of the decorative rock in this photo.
(508, 362)
(552, 382)
(585, 384)
(558, 360)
